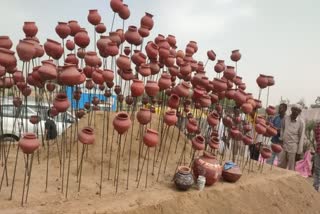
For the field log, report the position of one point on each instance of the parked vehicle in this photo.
(15, 121)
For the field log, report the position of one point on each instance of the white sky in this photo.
(279, 38)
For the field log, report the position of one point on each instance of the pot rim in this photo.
(184, 170)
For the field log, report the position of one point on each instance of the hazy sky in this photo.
(275, 37)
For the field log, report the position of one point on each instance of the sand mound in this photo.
(273, 191)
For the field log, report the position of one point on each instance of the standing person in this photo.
(292, 137)
(276, 122)
(50, 128)
(316, 161)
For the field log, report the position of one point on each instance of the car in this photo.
(15, 121)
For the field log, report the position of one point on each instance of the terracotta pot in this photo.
(198, 142)
(229, 73)
(205, 101)
(89, 84)
(25, 50)
(151, 138)
(220, 66)
(235, 133)
(5, 42)
(276, 148)
(129, 100)
(138, 58)
(213, 119)
(91, 59)
(86, 135)
(262, 81)
(270, 80)
(247, 127)
(174, 101)
(227, 121)
(240, 97)
(116, 5)
(271, 110)
(29, 143)
(48, 70)
(132, 36)
(97, 77)
(124, 12)
(70, 75)
(207, 166)
(101, 28)
(214, 143)
(137, 88)
(271, 131)
(112, 49)
(17, 102)
(70, 45)
(246, 108)
(108, 75)
(61, 102)
(117, 89)
(63, 30)
(219, 85)
(232, 175)
(144, 116)
(30, 29)
(211, 55)
(123, 62)
(183, 89)
(235, 56)
(192, 125)
(164, 81)
(82, 39)
(214, 98)
(143, 31)
(260, 128)
(147, 21)
(94, 17)
(26, 91)
(152, 50)
(183, 179)
(74, 27)
(266, 153)
(53, 49)
(72, 59)
(144, 70)
(95, 100)
(121, 122)
(107, 93)
(170, 118)
(247, 140)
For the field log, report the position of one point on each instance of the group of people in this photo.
(291, 135)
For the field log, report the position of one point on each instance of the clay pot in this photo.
(219, 85)
(100, 28)
(198, 143)
(270, 80)
(86, 135)
(229, 73)
(144, 116)
(247, 127)
(74, 27)
(183, 179)
(70, 45)
(214, 143)
(53, 49)
(214, 98)
(266, 153)
(5, 42)
(108, 75)
(144, 70)
(94, 17)
(213, 119)
(97, 77)
(227, 121)
(26, 91)
(121, 122)
(70, 75)
(170, 118)
(271, 110)
(276, 148)
(30, 29)
(25, 50)
(174, 101)
(132, 36)
(247, 140)
(89, 84)
(235, 56)
(152, 50)
(61, 102)
(235, 133)
(116, 5)
(63, 30)
(29, 143)
(240, 97)
(117, 89)
(211, 55)
(207, 166)
(72, 59)
(147, 21)
(220, 66)
(183, 89)
(271, 131)
(205, 101)
(232, 175)
(112, 49)
(258, 103)
(260, 128)
(123, 62)
(151, 138)
(247, 108)
(82, 39)
(262, 81)
(124, 12)
(48, 70)
(143, 31)
(192, 125)
(91, 59)
(164, 81)
(137, 88)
